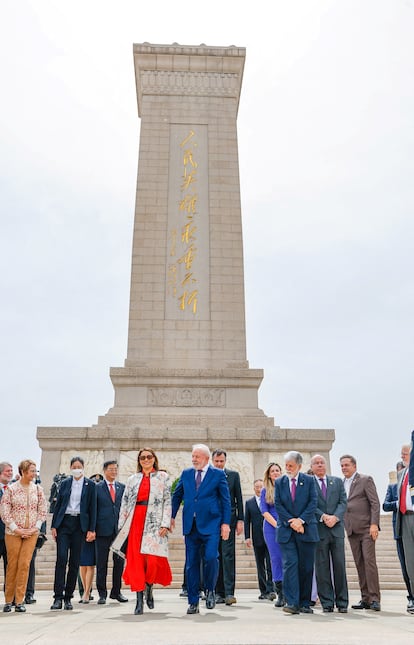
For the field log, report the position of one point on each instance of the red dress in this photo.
(142, 568)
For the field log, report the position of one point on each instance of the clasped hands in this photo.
(26, 533)
(296, 524)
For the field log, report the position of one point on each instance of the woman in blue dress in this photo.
(270, 518)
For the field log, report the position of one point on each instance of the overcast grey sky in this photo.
(326, 145)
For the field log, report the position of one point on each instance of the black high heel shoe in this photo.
(139, 607)
(149, 596)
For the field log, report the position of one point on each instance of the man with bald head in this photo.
(331, 506)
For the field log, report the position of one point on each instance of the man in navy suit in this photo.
(331, 506)
(296, 532)
(73, 521)
(253, 535)
(206, 518)
(108, 502)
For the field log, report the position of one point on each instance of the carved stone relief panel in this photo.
(187, 396)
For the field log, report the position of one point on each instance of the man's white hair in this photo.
(294, 455)
(202, 448)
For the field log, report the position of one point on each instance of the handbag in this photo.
(41, 539)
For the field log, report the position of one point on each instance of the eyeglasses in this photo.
(144, 457)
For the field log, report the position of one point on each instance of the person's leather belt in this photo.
(73, 514)
(144, 502)
(409, 513)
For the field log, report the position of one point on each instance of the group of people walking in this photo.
(295, 522)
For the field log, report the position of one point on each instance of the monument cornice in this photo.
(226, 377)
(179, 70)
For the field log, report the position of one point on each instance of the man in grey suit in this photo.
(331, 506)
(362, 527)
(404, 521)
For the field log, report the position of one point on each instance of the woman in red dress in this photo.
(145, 518)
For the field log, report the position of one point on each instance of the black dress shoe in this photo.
(20, 608)
(101, 601)
(306, 610)
(342, 610)
(57, 604)
(7, 607)
(211, 600)
(361, 605)
(67, 605)
(375, 606)
(290, 609)
(193, 609)
(29, 600)
(119, 597)
(327, 610)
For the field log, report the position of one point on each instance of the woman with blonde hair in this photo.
(23, 511)
(144, 520)
(267, 506)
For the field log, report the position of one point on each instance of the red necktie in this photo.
(403, 494)
(112, 492)
(293, 489)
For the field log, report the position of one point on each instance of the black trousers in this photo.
(103, 543)
(226, 580)
(3, 554)
(69, 542)
(264, 568)
(30, 587)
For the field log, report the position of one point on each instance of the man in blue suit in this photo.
(206, 518)
(73, 521)
(296, 532)
(108, 498)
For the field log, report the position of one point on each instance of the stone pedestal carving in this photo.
(186, 378)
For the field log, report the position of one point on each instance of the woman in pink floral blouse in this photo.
(22, 509)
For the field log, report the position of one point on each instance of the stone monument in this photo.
(186, 378)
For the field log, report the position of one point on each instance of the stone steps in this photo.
(387, 559)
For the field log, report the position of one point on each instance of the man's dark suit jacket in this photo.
(334, 504)
(253, 518)
(363, 507)
(391, 504)
(87, 505)
(236, 497)
(304, 507)
(107, 512)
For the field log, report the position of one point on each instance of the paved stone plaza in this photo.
(249, 622)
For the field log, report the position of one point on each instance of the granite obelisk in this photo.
(186, 378)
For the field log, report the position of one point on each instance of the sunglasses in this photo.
(145, 457)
